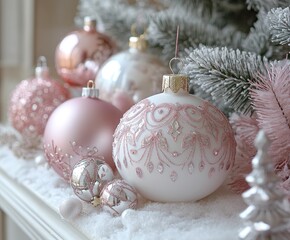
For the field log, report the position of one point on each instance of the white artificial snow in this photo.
(213, 218)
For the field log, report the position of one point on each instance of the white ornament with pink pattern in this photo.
(174, 146)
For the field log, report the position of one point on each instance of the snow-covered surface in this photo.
(215, 217)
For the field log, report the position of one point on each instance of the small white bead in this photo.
(39, 160)
(70, 208)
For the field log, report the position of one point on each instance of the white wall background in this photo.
(16, 19)
(28, 29)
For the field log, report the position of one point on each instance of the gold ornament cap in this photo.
(138, 43)
(175, 82)
(89, 24)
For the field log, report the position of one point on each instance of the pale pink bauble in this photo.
(80, 128)
(32, 102)
(80, 54)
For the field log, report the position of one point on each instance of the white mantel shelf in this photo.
(35, 217)
(31, 194)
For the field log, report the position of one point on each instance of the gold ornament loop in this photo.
(175, 81)
(179, 60)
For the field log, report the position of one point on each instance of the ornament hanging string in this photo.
(176, 42)
(176, 58)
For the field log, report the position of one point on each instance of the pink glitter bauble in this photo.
(174, 146)
(33, 100)
(80, 128)
(80, 54)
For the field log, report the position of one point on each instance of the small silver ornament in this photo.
(88, 178)
(117, 196)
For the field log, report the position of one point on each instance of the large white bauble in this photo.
(174, 146)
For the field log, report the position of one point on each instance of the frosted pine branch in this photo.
(267, 4)
(162, 33)
(279, 21)
(116, 17)
(232, 13)
(224, 74)
(86, 8)
(259, 40)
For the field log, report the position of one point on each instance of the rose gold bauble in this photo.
(80, 128)
(33, 100)
(79, 55)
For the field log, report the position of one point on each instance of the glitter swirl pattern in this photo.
(174, 148)
(147, 131)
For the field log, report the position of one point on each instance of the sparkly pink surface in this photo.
(32, 102)
(79, 128)
(215, 216)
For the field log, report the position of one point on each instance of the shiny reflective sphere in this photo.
(89, 177)
(80, 54)
(117, 196)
